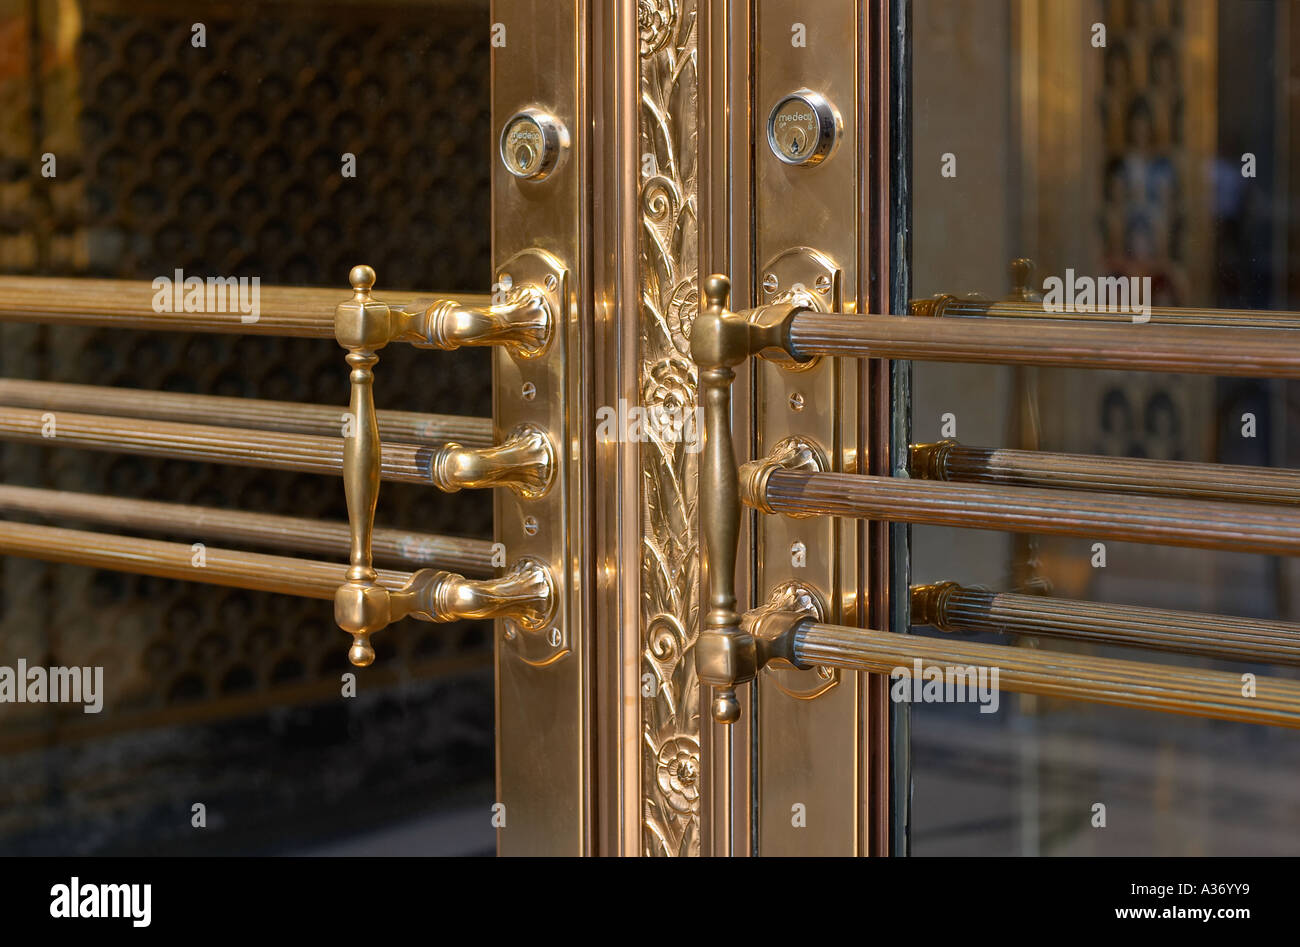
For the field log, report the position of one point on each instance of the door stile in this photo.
(727, 246)
(616, 492)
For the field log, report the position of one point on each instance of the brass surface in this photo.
(405, 463)
(296, 534)
(952, 607)
(1135, 684)
(724, 653)
(1203, 524)
(405, 427)
(524, 463)
(1230, 353)
(244, 570)
(725, 243)
(128, 304)
(541, 237)
(809, 232)
(791, 453)
(974, 307)
(669, 139)
(954, 462)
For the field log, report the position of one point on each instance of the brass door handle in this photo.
(362, 606)
(525, 463)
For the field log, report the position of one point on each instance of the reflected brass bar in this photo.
(318, 419)
(1135, 684)
(952, 607)
(322, 537)
(1273, 530)
(968, 307)
(952, 462)
(403, 463)
(128, 304)
(1228, 353)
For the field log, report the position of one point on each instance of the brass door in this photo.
(656, 278)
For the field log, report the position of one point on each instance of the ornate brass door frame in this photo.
(608, 750)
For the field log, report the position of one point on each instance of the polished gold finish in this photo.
(546, 773)
(405, 463)
(236, 568)
(525, 594)
(952, 462)
(793, 637)
(792, 453)
(725, 655)
(125, 304)
(363, 605)
(952, 607)
(1025, 302)
(525, 463)
(521, 320)
(801, 683)
(296, 534)
(404, 427)
(1274, 530)
(1135, 684)
(1229, 353)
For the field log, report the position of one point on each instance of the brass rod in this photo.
(246, 448)
(129, 304)
(244, 570)
(952, 607)
(471, 557)
(957, 463)
(1159, 315)
(1259, 353)
(1136, 684)
(318, 419)
(1273, 530)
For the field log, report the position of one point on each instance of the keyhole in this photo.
(796, 143)
(523, 157)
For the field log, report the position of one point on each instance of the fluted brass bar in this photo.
(1273, 530)
(1136, 684)
(322, 420)
(244, 570)
(952, 607)
(128, 304)
(1159, 315)
(297, 534)
(404, 463)
(1259, 353)
(953, 462)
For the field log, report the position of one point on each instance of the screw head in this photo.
(529, 391)
(770, 283)
(531, 526)
(823, 284)
(505, 282)
(554, 638)
(552, 284)
(797, 402)
(509, 633)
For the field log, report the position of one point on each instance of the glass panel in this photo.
(1154, 139)
(286, 141)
